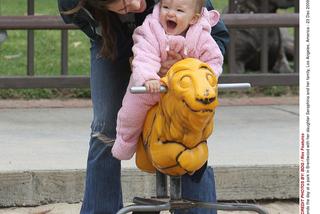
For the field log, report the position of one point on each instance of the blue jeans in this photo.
(108, 82)
(103, 187)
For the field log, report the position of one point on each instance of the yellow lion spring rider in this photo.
(175, 133)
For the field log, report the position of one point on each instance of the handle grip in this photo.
(222, 86)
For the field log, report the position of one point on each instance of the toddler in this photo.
(181, 26)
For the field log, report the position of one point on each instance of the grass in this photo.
(13, 52)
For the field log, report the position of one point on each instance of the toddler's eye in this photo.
(181, 11)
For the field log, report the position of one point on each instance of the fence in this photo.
(232, 21)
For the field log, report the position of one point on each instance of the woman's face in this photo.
(127, 6)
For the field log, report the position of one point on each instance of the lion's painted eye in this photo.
(211, 79)
(185, 81)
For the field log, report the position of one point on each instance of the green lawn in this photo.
(13, 60)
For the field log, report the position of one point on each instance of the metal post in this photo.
(232, 67)
(30, 45)
(175, 188)
(161, 185)
(64, 52)
(264, 57)
(296, 40)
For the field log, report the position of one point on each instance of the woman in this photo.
(109, 24)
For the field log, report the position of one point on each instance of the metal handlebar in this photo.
(223, 86)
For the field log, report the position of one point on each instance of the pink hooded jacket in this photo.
(151, 45)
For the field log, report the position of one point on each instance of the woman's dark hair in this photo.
(199, 5)
(100, 13)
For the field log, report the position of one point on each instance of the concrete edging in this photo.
(31, 188)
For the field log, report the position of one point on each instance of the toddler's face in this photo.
(177, 15)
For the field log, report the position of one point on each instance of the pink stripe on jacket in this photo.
(151, 45)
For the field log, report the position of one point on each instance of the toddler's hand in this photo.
(173, 57)
(153, 86)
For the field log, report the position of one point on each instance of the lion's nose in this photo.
(207, 100)
(208, 97)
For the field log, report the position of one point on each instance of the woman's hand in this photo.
(173, 57)
(153, 86)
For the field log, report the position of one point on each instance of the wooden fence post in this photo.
(296, 40)
(30, 42)
(264, 57)
(64, 52)
(232, 67)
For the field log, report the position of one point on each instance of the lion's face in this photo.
(194, 85)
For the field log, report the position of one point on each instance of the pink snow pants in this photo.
(130, 121)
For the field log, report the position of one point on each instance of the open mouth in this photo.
(202, 111)
(171, 24)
